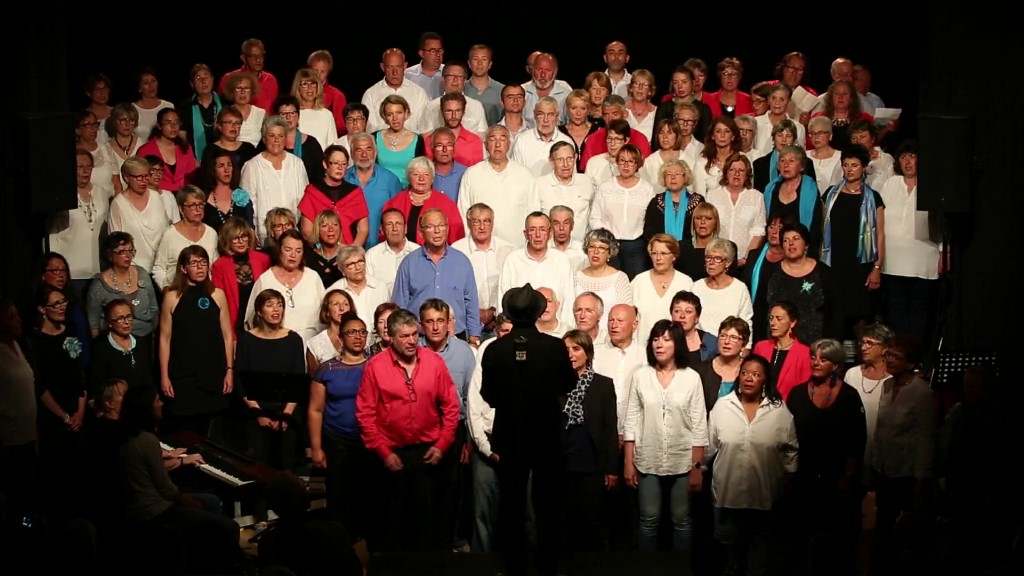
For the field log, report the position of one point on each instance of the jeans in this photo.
(632, 257)
(485, 503)
(745, 534)
(348, 463)
(650, 492)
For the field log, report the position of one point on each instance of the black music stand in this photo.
(949, 370)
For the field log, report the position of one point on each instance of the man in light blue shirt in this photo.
(379, 185)
(447, 172)
(427, 74)
(436, 271)
(481, 86)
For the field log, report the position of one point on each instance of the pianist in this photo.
(152, 499)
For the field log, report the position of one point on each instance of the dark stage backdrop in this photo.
(168, 43)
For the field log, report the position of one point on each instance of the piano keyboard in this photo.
(216, 473)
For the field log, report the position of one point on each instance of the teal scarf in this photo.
(198, 130)
(867, 243)
(675, 217)
(807, 197)
(298, 144)
(755, 273)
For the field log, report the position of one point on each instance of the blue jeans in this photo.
(651, 491)
(485, 503)
(632, 257)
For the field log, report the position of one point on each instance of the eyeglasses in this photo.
(686, 121)
(659, 254)
(355, 264)
(281, 227)
(291, 114)
(351, 119)
(241, 238)
(434, 50)
(126, 319)
(235, 123)
(194, 206)
(193, 264)
(614, 139)
(352, 332)
(443, 146)
(597, 248)
(125, 252)
(865, 343)
(338, 163)
(127, 121)
(308, 83)
(715, 259)
(480, 221)
(291, 297)
(626, 162)
(731, 338)
(139, 177)
(90, 125)
(433, 227)
(57, 271)
(58, 304)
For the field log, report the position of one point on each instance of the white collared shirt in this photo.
(619, 365)
(523, 129)
(621, 210)
(577, 194)
(532, 151)
(479, 414)
(751, 456)
(413, 94)
(574, 250)
(487, 264)
(271, 188)
(511, 194)
(622, 86)
(552, 271)
(909, 249)
(665, 423)
(740, 222)
(382, 262)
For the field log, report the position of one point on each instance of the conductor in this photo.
(524, 374)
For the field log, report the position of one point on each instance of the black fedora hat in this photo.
(523, 305)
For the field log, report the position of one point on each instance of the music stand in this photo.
(275, 387)
(949, 370)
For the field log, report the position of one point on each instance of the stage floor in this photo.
(594, 564)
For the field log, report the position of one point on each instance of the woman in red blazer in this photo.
(238, 267)
(790, 358)
(729, 100)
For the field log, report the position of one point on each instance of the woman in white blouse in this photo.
(653, 289)
(867, 377)
(314, 119)
(912, 256)
(76, 233)
(122, 139)
(303, 291)
(665, 436)
(740, 207)
(620, 206)
(602, 168)
(366, 291)
(274, 178)
(639, 109)
(670, 142)
(720, 294)
(327, 343)
(752, 440)
(149, 104)
(600, 277)
(139, 212)
(105, 166)
(828, 170)
(722, 142)
(186, 232)
(240, 88)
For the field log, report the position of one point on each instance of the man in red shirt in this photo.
(253, 56)
(407, 408)
(322, 63)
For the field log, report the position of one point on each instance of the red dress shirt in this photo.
(335, 101)
(268, 89)
(469, 148)
(403, 202)
(176, 175)
(596, 145)
(394, 411)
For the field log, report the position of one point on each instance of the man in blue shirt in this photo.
(436, 271)
(378, 185)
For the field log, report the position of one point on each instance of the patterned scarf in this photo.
(574, 405)
(867, 243)
(198, 131)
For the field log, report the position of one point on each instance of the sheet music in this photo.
(804, 100)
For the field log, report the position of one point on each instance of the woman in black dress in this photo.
(807, 283)
(831, 430)
(196, 345)
(60, 385)
(268, 348)
(853, 242)
(219, 177)
(119, 355)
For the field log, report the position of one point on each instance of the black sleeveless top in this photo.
(197, 364)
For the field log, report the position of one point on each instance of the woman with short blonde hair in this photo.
(239, 266)
(314, 118)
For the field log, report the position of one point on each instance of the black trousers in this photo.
(455, 492)
(408, 500)
(348, 463)
(583, 507)
(513, 478)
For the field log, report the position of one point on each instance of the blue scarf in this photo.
(198, 130)
(867, 239)
(674, 218)
(755, 273)
(807, 197)
(298, 144)
(773, 165)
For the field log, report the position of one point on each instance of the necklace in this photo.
(87, 208)
(117, 285)
(125, 149)
(813, 388)
(864, 379)
(223, 216)
(394, 139)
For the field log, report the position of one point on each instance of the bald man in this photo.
(393, 65)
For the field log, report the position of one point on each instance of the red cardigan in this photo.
(596, 145)
(350, 209)
(743, 104)
(184, 165)
(795, 370)
(223, 275)
(403, 202)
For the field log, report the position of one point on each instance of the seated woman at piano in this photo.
(267, 351)
(151, 498)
